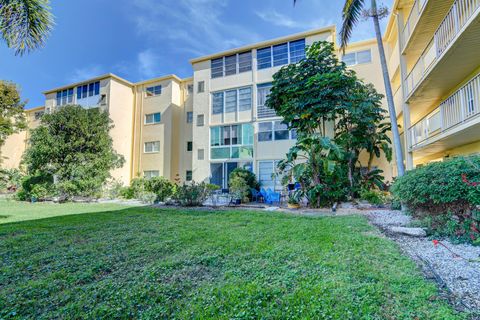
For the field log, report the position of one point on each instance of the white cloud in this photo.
(148, 63)
(278, 19)
(196, 27)
(82, 74)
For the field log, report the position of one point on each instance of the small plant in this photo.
(239, 188)
(147, 197)
(112, 189)
(375, 197)
(294, 199)
(161, 186)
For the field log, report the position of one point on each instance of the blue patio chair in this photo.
(272, 196)
(255, 194)
(263, 194)
(298, 186)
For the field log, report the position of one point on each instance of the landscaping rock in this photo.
(412, 232)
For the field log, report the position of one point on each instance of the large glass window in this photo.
(217, 68)
(280, 54)
(65, 97)
(267, 176)
(217, 103)
(231, 142)
(232, 100)
(297, 50)
(149, 174)
(275, 131)
(230, 65)
(264, 58)
(263, 90)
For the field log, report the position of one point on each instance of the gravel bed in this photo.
(457, 270)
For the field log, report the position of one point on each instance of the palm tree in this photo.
(25, 24)
(352, 11)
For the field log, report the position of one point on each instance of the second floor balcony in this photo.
(453, 117)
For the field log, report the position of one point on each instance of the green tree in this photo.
(73, 146)
(25, 24)
(12, 115)
(353, 10)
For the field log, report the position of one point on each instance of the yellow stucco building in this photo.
(203, 127)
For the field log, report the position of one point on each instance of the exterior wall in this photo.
(12, 151)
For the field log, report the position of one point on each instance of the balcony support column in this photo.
(405, 106)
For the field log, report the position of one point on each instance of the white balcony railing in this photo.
(412, 20)
(458, 108)
(457, 17)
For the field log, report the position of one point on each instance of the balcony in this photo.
(445, 127)
(456, 44)
(424, 18)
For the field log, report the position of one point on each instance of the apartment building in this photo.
(202, 128)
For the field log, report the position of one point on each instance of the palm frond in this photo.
(25, 24)
(352, 11)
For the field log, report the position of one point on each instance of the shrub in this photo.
(191, 195)
(147, 197)
(39, 187)
(246, 175)
(160, 186)
(239, 187)
(10, 180)
(442, 193)
(113, 189)
(373, 196)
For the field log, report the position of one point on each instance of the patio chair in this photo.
(255, 194)
(263, 194)
(272, 196)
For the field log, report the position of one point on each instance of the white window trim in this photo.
(288, 53)
(154, 122)
(356, 58)
(145, 147)
(237, 64)
(240, 124)
(154, 94)
(273, 131)
(237, 111)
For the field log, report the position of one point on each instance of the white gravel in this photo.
(457, 271)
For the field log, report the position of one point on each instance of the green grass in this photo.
(13, 211)
(149, 263)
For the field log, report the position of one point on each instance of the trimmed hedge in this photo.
(445, 193)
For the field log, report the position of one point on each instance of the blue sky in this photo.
(141, 39)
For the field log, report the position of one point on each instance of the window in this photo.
(190, 88)
(232, 64)
(88, 90)
(274, 131)
(189, 175)
(245, 62)
(267, 175)
(297, 51)
(264, 58)
(201, 154)
(151, 147)
(201, 86)
(65, 97)
(217, 103)
(281, 54)
(263, 90)
(153, 118)
(189, 117)
(359, 57)
(38, 114)
(154, 91)
(232, 142)
(217, 68)
(200, 120)
(232, 101)
(149, 174)
(189, 146)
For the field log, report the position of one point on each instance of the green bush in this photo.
(162, 187)
(147, 197)
(373, 196)
(246, 175)
(10, 180)
(239, 187)
(445, 194)
(113, 189)
(39, 187)
(193, 194)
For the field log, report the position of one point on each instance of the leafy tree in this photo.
(12, 115)
(320, 91)
(25, 24)
(73, 145)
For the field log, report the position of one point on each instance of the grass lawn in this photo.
(150, 263)
(13, 211)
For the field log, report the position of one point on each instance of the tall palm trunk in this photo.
(388, 91)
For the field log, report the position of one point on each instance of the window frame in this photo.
(292, 134)
(154, 119)
(189, 146)
(188, 175)
(153, 91)
(236, 132)
(355, 55)
(266, 61)
(231, 64)
(189, 117)
(153, 144)
(202, 123)
(240, 105)
(151, 176)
